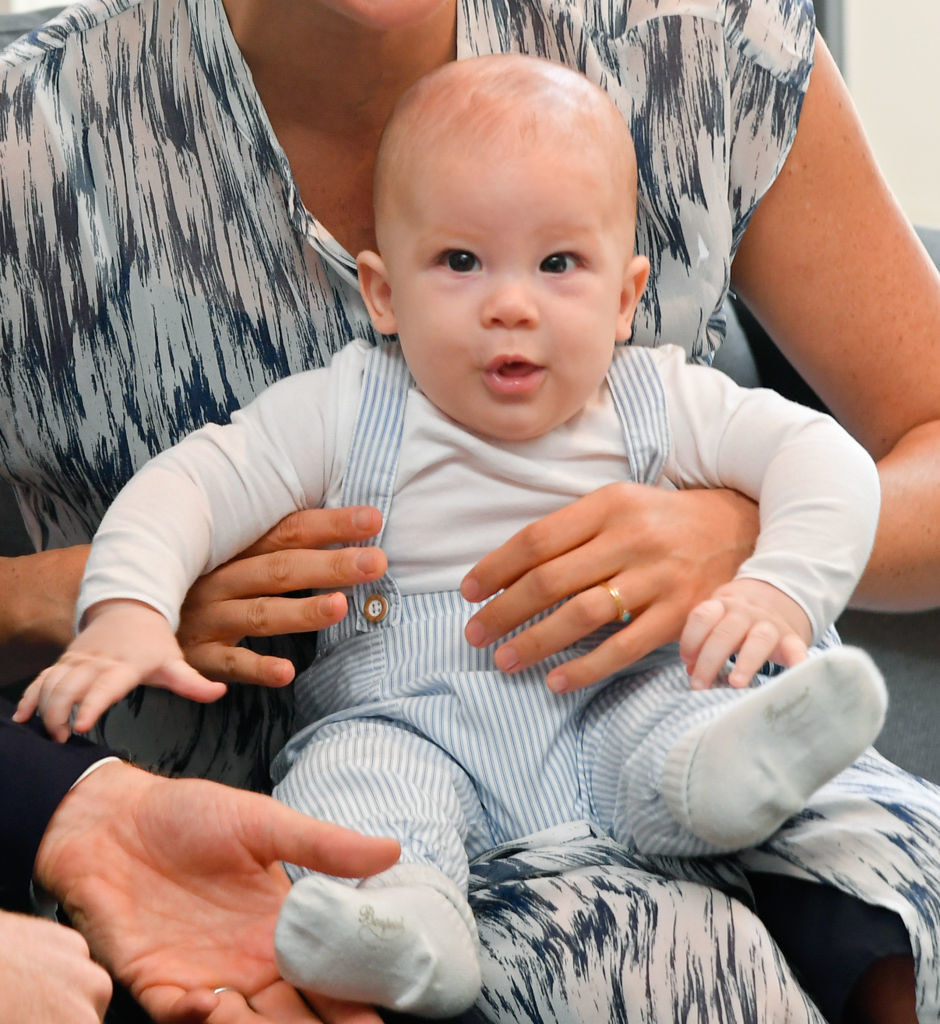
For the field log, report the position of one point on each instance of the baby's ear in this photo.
(376, 291)
(635, 275)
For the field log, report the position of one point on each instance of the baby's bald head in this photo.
(502, 104)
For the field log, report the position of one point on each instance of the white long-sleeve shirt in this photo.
(458, 496)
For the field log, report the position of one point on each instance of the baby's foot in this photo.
(405, 939)
(736, 779)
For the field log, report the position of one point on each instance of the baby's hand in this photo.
(124, 644)
(749, 618)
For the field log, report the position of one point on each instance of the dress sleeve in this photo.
(712, 92)
(770, 58)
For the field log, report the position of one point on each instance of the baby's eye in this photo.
(460, 261)
(558, 263)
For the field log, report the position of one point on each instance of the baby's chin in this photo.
(517, 427)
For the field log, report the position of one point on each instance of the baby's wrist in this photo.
(775, 602)
(123, 607)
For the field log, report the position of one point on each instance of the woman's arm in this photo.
(37, 607)
(835, 273)
(306, 551)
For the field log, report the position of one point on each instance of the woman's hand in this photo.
(236, 600)
(664, 551)
(38, 595)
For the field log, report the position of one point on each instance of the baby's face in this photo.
(511, 278)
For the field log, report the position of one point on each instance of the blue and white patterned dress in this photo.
(158, 269)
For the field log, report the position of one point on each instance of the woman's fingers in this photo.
(647, 631)
(319, 528)
(280, 572)
(228, 664)
(271, 616)
(533, 548)
(241, 598)
(578, 617)
(660, 547)
(546, 585)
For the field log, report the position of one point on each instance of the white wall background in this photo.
(892, 65)
(24, 5)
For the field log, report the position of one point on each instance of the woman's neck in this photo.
(321, 70)
(328, 85)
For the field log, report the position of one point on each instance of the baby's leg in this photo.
(680, 772)
(735, 779)
(404, 939)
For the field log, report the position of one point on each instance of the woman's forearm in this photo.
(903, 573)
(37, 605)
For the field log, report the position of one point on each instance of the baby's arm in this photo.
(188, 510)
(819, 499)
(122, 645)
(750, 619)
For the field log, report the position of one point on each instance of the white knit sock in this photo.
(734, 780)
(405, 939)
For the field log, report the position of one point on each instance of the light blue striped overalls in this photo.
(407, 730)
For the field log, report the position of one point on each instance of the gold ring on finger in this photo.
(622, 614)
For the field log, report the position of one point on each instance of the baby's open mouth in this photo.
(516, 368)
(513, 376)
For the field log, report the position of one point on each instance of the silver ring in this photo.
(622, 614)
(225, 988)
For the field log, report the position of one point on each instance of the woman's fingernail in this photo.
(362, 518)
(506, 659)
(365, 562)
(476, 634)
(557, 682)
(470, 589)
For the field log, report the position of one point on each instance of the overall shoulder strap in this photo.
(370, 476)
(640, 399)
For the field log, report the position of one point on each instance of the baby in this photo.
(505, 197)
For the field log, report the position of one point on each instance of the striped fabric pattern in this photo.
(409, 731)
(522, 748)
